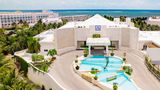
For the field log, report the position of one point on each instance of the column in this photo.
(106, 49)
(89, 48)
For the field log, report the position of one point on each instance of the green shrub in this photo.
(86, 52)
(96, 35)
(112, 54)
(36, 57)
(94, 71)
(77, 67)
(76, 61)
(85, 55)
(128, 70)
(95, 77)
(76, 56)
(53, 58)
(115, 87)
(124, 59)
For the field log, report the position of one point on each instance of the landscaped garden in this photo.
(40, 62)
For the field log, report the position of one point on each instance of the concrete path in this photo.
(62, 71)
(141, 75)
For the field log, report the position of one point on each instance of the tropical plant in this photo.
(86, 52)
(14, 25)
(77, 67)
(122, 18)
(115, 86)
(21, 21)
(96, 35)
(52, 53)
(45, 65)
(2, 31)
(112, 51)
(33, 45)
(109, 17)
(128, 70)
(124, 56)
(94, 71)
(36, 57)
(9, 78)
(76, 61)
(64, 21)
(95, 77)
(140, 22)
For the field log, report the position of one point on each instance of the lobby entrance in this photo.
(98, 46)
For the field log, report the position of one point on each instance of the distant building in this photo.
(51, 20)
(154, 20)
(7, 18)
(76, 17)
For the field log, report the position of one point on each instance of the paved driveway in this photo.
(62, 71)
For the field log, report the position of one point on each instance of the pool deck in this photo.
(62, 71)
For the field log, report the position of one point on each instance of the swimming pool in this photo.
(99, 62)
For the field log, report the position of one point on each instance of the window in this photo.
(45, 50)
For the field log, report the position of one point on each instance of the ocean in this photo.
(109, 12)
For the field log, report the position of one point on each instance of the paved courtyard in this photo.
(63, 72)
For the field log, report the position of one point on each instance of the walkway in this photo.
(62, 71)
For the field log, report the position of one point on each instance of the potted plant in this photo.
(95, 77)
(77, 67)
(76, 56)
(85, 52)
(115, 86)
(124, 57)
(112, 53)
(76, 61)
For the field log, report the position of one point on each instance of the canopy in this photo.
(98, 41)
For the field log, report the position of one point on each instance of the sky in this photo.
(78, 4)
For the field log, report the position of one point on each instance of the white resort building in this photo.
(154, 20)
(75, 35)
(7, 18)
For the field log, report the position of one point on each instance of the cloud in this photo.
(79, 4)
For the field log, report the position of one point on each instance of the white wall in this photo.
(48, 46)
(45, 79)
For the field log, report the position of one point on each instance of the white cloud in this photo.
(79, 4)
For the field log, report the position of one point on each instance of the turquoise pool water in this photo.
(99, 62)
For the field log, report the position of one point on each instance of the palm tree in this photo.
(52, 52)
(2, 31)
(44, 65)
(33, 45)
(14, 25)
(21, 21)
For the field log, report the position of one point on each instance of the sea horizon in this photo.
(109, 12)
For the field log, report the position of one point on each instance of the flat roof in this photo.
(154, 54)
(98, 41)
(153, 36)
(47, 36)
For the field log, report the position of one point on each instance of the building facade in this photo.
(7, 18)
(74, 35)
(154, 20)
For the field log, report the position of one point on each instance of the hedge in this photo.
(154, 70)
(96, 35)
